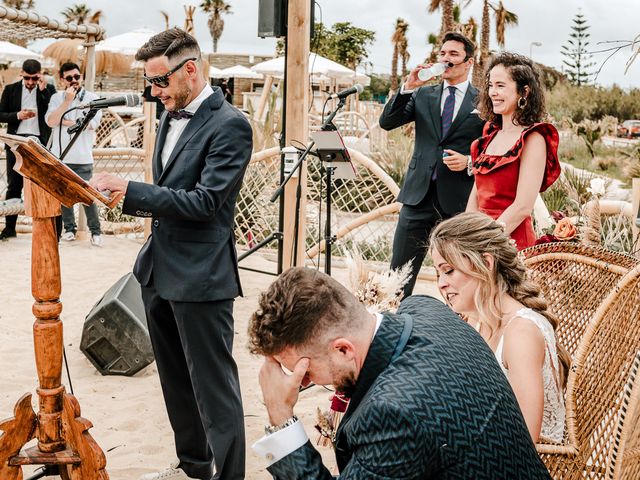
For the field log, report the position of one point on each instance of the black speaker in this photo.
(115, 337)
(272, 18)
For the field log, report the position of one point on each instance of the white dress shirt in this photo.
(81, 151)
(29, 126)
(461, 91)
(276, 446)
(177, 126)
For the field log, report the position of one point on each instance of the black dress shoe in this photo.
(7, 234)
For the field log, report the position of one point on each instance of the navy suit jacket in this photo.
(190, 255)
(423, 107)
(442, 409)
(11, 104)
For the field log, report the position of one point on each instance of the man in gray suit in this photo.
(428, 399)
(436, 185)
(187, 267)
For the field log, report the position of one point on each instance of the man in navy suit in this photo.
(436, 185)
(22, 108)
(428, 399)
(187, 268)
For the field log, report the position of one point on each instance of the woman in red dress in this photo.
(517, 156)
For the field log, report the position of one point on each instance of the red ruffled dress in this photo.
(496, 176)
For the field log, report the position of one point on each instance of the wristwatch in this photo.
(269, 429)
(469, 166)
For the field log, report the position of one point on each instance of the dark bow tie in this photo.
(179, 115)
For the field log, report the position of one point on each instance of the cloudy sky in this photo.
(545, 21)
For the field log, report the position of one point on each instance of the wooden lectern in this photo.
(63, 438)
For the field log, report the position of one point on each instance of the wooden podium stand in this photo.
(63, 437)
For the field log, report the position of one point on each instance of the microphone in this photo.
(129, 100)
(357, 88)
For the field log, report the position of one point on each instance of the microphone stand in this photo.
(327, 125)
(77, 129)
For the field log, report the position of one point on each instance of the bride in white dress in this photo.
(482, 278)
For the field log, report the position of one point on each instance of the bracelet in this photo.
(469, 166)
(269, 429)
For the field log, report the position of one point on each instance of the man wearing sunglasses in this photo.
(22, 107)
(79, 158)
(188, 268)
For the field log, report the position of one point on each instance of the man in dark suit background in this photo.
(435, 187)
(187, 268)
(22, 107)
(428, 399)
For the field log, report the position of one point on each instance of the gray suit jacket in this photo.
(423, 107)
(442, 409)
(190, 255)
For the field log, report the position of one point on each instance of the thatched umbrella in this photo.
(71, 50)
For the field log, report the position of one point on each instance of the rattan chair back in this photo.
(575, 279)
(602, 393)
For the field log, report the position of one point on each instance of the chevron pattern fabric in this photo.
(441, 410)
(447, 111)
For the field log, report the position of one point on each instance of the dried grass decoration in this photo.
(380, 292)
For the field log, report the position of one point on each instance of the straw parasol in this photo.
(71, 50)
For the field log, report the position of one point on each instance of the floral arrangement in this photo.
(565, 230)
(586, 228)
(380, 292)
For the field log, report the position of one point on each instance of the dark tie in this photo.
(447, 120)
(179, 115)
(447, 111)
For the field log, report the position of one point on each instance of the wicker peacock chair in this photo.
(603, 392)
(575, 279)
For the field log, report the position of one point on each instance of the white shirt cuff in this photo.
(405, 91)
(276, 446)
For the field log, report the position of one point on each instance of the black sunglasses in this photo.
(31, 77)
(162, 81)
(71, 78)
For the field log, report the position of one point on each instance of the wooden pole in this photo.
(264, 98)
(297, 127)
(89, 82)
(635, 201)
(148, 145)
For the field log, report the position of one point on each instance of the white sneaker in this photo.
(68, 236)
(96, 240)
(171, 473)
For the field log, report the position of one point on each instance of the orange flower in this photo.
(565, 230)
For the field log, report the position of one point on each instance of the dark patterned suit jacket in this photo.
(442, 409)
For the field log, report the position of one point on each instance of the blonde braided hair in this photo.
(471, 236)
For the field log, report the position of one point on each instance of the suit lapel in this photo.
(202, 116)
(465, 109)
(378, 358)
(157, 152)
(434, 99)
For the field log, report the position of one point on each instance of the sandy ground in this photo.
(130, 421)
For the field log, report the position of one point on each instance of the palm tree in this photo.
(20, 4)
(215, 9)
(399, 40)
(447, 24)
(78, 13)
(503, 19)
(96, 17)
(165, 15)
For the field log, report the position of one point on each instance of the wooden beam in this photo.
(297, 122)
